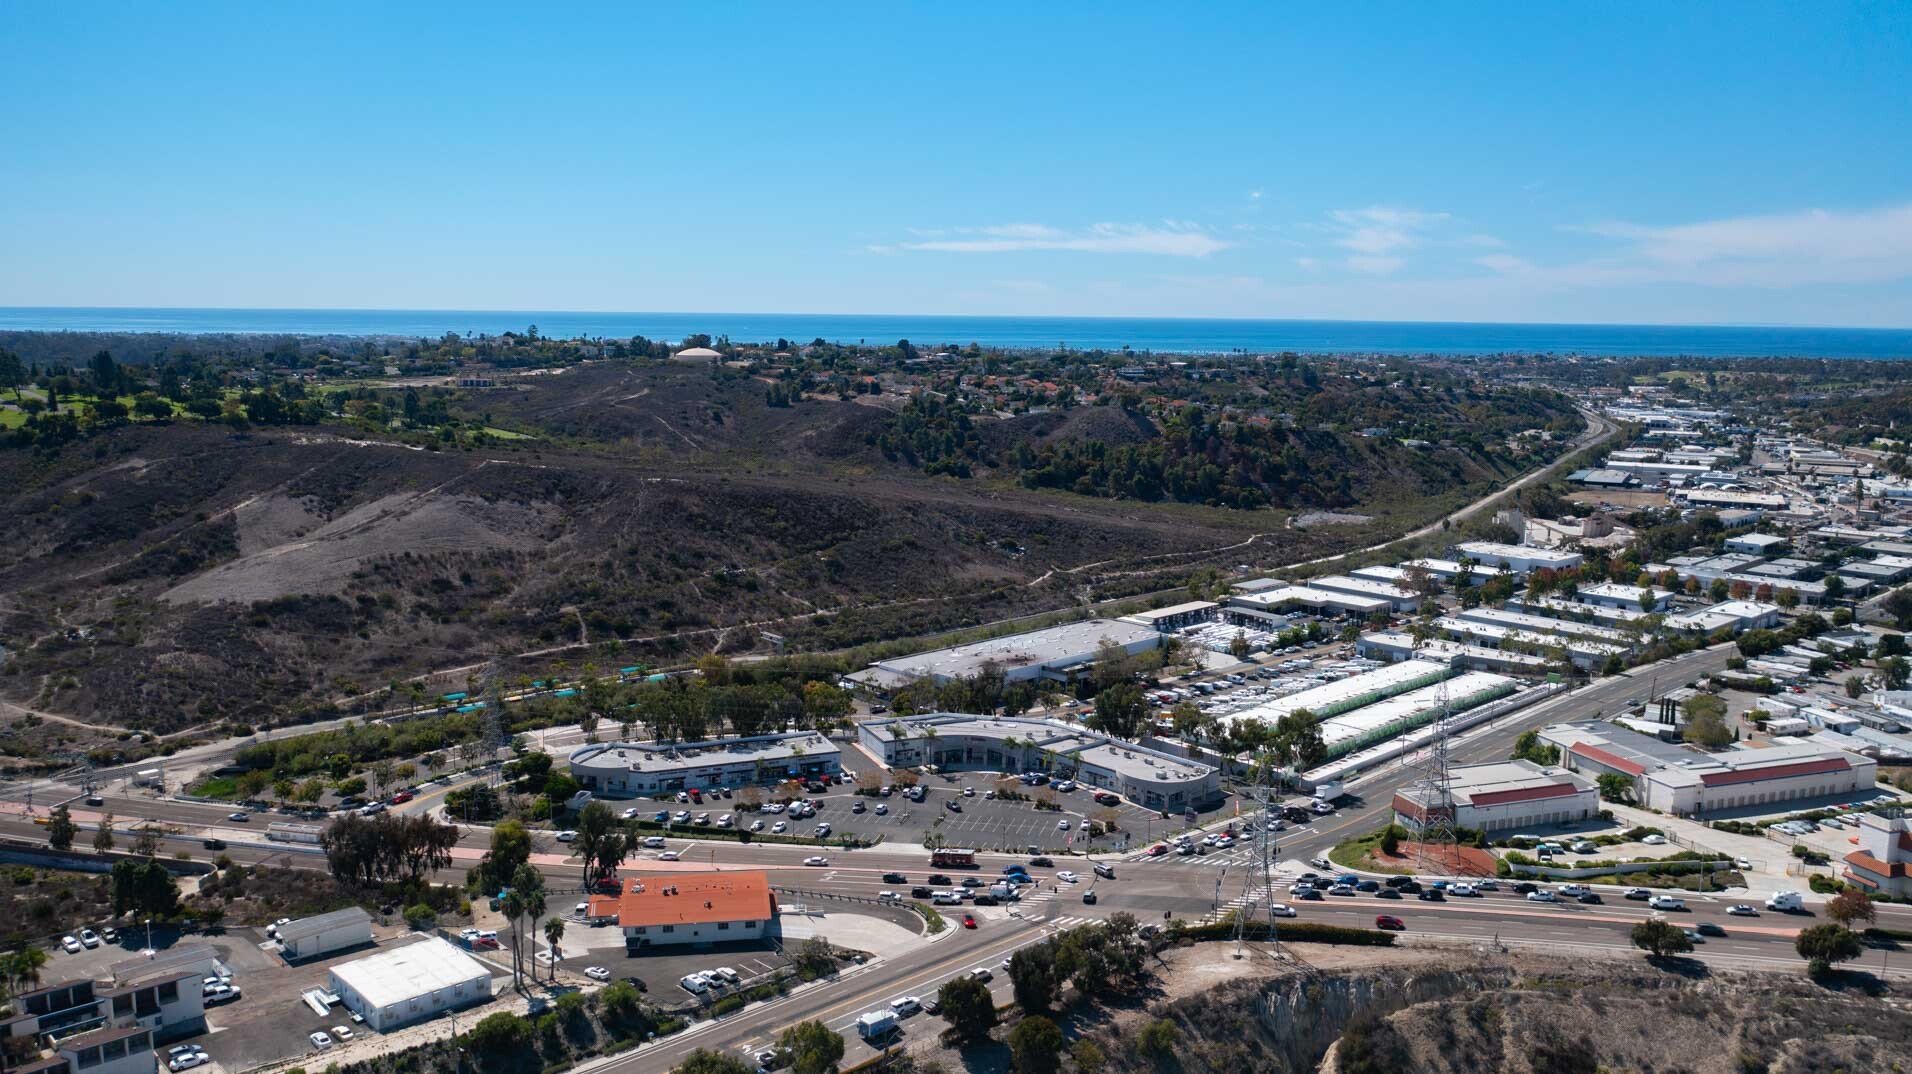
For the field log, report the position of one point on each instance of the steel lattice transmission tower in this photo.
(493, 724)
(1437, 836)
(1258, 876)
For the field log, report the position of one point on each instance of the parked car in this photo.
(320, 1041)
(89, 938)
(72, 944)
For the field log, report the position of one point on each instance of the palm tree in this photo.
(553, 932)
(23, 967)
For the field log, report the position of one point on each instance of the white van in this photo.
(1786, 900)
(654, 842)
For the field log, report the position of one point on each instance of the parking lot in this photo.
(977, 821)
(660, 970)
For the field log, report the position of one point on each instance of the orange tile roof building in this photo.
(675, 909)
(1883, 862)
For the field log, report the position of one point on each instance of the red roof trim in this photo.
(1873, 865)
(1778, 771)
(1523, 794)
(1611, 760)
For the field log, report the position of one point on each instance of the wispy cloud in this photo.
(1774, 250)
(1171, 238)
(1374, 265)
(1380, 229)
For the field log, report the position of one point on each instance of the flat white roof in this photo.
(1425, 699)
(1362, 587)
(1057, 645)
(1541, 624)
(1308, 595)
(1334, 693)
(392, 977)
(1485, 550)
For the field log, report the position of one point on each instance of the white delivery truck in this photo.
(876, 1025)
(1004, 890)
(1788, 901)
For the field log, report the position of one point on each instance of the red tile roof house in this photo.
(678, 909)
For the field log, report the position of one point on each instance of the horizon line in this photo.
(1771, 326)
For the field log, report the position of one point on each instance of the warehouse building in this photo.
(1398, 598)
(1758, 544)
(960, 742)
(696, 909)
(1578, 650)
(637, 769)
(1731, 615)
(411, 983)
(1541, 624)
(1502, 795)
(312, 937)
(1175, 616)
(1254, 609)
(1615, 595)
(1686, 782)
(1056, 653)
(1353, 692)
(1395, 645)
(1519, 558)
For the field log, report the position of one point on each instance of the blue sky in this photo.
(1692, 163)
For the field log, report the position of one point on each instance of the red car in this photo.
(1158, 850)
(401, 797)
(1388, 921)
(969, 921)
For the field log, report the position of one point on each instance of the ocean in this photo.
(1190, 336)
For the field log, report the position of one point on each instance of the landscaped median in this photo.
(1285, 932)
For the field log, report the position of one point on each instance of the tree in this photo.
(510, 848)
(1660, 938)
(500, 1036)
(813, 1047)
(1238, 646)
(705, 1061)
(1824, 945)
(1157, 1039)
(1088, 1055)
(1035, 1045)
(553, 932)
(146, 840)
(595, 823)
(968, 1008)
(1297, 739)
(1391, 841)
(813, 958)
(103, 837)
(1849, 906)
(145, 887)
(1528, 747)
(525, 901)
(1032, 978)
(1706, 721)
(20, 968)
(1119, 710)
(1895, 672)
(60, 828)
(1615, 787)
